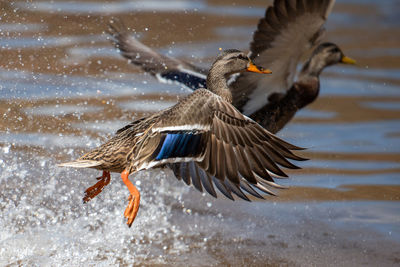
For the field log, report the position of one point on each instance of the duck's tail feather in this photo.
(81, 163)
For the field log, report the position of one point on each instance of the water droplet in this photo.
(6, 149)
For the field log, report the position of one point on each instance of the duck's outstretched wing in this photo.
(205, 140)
(164, 68)
(283, 37)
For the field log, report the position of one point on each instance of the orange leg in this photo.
(96, 189)
(134, 199)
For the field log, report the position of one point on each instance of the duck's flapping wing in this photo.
(207, 142)
(164, 68)
(241, 155)
(283, 37)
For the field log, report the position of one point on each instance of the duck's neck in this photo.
(307, 85)
(218, 84)
(313, 67)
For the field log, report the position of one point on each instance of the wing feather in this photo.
(257, 165)
(206, 180)
(249, 189)
(264, 189)
(184, 173)
(278, 158)
(195, 176)
(220, 165)
(164, 68)
(222, 188)
(287, 33)
(244, 166)
(236, 190)
(231, 164)
(268, 162)
(208, 142)
(239, 147)
(212, 170)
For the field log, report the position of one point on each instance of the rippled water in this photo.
(64, 89)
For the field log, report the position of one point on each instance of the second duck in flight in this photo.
(284, 37)
(203, 139)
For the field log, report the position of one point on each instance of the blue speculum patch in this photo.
(191, 81)
(179, 145)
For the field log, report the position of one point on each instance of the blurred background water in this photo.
(64, 89)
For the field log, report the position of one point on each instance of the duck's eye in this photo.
(239, 57)
(335, 50)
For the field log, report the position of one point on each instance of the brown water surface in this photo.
(64, 89)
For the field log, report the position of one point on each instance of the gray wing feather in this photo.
(289, 30)
(239, 154)
(143, 56)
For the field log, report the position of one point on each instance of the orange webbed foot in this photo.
(132, 209)
(134, 199)
(96, 189)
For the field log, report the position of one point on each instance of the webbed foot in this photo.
(96, 189)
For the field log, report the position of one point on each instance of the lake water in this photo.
(64, 89)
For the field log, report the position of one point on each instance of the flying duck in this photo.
(204, 139)
(287, 33)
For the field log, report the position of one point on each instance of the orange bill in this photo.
(347, 60)
(253, 68)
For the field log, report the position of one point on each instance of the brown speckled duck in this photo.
(203, 139)
(287, 33)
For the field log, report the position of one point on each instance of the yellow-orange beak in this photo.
(253, 68)
(347, 60)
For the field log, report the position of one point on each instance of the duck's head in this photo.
(326, 54)
(233, 61)
(229, 62)
(329, 54)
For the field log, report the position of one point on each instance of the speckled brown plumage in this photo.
(113, 155)
(203, 138)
